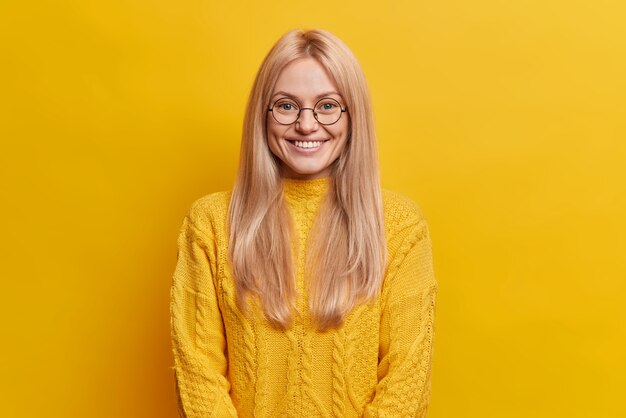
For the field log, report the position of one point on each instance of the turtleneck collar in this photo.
(300, 191)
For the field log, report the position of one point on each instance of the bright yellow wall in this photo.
(504, 119)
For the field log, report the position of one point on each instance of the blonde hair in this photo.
(348, 268)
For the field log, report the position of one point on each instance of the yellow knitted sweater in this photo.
(378, 364)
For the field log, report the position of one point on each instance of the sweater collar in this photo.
(301, 191)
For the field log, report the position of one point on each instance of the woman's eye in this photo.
(327, 106)
(286, 106)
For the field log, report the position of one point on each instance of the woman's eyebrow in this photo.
(293, 96)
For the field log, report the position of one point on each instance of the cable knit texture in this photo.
(227, 364)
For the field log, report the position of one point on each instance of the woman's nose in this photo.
(306, 122)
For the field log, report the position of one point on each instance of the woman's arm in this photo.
(407, 329)
(197, 330)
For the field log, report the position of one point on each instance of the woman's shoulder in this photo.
(209, 209)
(400, 211)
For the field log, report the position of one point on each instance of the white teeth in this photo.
(308, 144)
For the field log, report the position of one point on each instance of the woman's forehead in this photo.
(305, 79)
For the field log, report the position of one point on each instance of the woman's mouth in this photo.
(306, 145)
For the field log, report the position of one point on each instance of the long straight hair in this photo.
(345, 270)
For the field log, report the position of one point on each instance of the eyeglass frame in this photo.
(312, 109)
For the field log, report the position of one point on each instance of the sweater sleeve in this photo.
(197, 330)
(407, 329)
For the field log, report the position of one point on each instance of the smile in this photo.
(307, 144)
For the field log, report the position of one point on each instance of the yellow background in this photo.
(504, 119)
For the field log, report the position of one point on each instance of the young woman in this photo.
(306, 291)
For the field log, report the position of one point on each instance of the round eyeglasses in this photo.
(327, 111)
